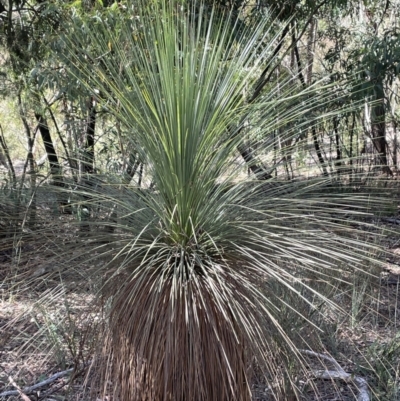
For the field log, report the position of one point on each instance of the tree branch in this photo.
(31, 389)
(339, 373)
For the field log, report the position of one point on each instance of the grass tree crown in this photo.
(191, 306)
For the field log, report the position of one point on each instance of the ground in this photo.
(40, 339)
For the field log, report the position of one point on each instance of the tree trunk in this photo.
(256, 167)
(55, 168)
(395, 145)
(88, 166)
(132, 167)
(338, 161)
(378, 128)
(311, 49)
(313, 130)
(88, 151)
(70, 162)
(3, 160)
(32, 165)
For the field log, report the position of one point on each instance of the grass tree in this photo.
(194, 291)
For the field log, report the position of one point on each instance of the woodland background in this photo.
(68, 160)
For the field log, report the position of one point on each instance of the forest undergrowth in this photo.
(143, 264)
(49, 320)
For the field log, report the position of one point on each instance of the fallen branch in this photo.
(54, 389)
(31, 389)
(390, 220)
(341, 374)
(19, 391)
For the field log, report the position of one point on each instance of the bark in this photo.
(132, 167)
(395, 144)
(378, 128)
(88, 151)
(257, 168)
(264, 78)
(311, 49)
(351, 139)
(55, 168)
(8, 164)
(3, 160)
(88, 165)
(338, 161)
(68, 121)
(70, 163)
(140, 175)
(247, 153)
(31, 162)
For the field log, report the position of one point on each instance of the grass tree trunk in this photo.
(179, 361)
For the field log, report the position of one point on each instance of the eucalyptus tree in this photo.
(193, 291)
(26, 29)
(31, 71)
(363, 41)
(380, 60)
(22, 28)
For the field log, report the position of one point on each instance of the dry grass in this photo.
(40, 339)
